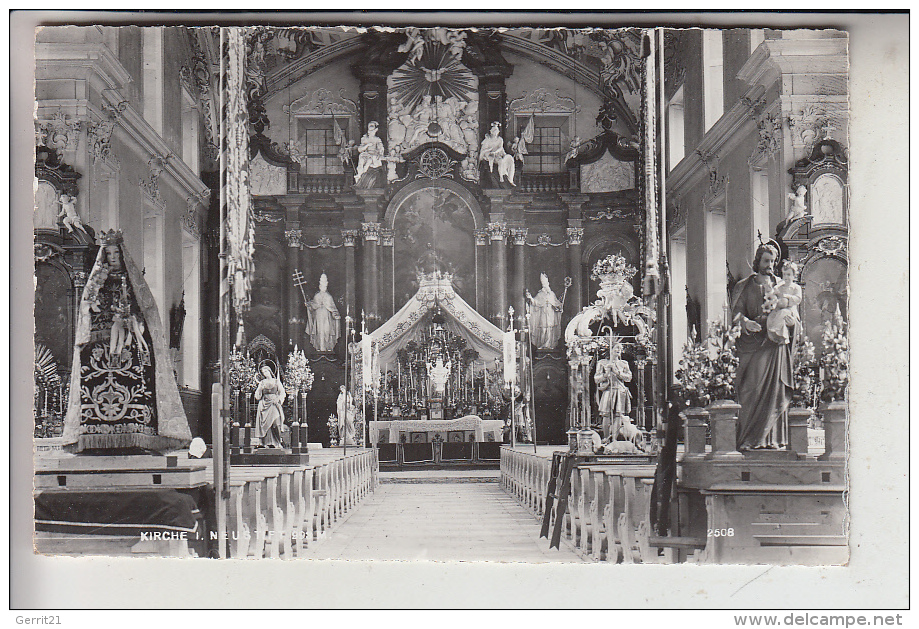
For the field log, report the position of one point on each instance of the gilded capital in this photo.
(497, 231)
(371, 231)
(294, 237)
(349, 237)
(575, 235)
(481, 236)
(519, 234)
(386, 237)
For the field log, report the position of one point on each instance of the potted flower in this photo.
(804, 395)
(706, 380)
(298, 378)
(834, 383)
(692, 382)
(723, 410)
(332, 423)
(243, 379)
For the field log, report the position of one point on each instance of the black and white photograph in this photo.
(316, 291)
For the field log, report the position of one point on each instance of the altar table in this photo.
(470, 422)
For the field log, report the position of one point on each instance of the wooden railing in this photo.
(525, 476)
(278, 512)
(608, 514)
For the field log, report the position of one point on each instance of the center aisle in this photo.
(440, 516)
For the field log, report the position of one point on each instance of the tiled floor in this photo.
(440, 516)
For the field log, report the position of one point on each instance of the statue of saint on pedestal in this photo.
(370, 153)
(546, 319)
(346, 413)
(614, 401)
(269, 418)
(323, 318)
(492, 152)
(764, 380)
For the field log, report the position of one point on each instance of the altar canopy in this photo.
(434, 293)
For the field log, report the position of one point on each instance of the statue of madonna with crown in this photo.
(123, 392)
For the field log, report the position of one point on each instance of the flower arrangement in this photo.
(613, 265)
(834, 361)
(298, 377)
(242, 373)
(708, 367)
(805, 375)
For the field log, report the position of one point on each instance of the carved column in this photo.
(481, 272)
(386, 273)
(518, 300)
(295, 314)
(576, 302)
(371, 233)
(373, 98)
(492, 104)
(349, 238)
(79, 282)
(497, 232)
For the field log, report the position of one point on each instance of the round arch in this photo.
(460, 190)
(596, 243)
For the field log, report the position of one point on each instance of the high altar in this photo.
(376, 208)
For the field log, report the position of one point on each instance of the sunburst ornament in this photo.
(436, 73)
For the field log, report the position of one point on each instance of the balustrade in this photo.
(544, 182)
(322, 184)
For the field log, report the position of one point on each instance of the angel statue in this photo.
(492, 152)
(519, 146)
(413, 45)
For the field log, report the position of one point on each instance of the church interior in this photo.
(438, 240)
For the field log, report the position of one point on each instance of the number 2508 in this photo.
(721, 532)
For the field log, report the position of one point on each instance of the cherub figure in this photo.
(414, 44)
(69, 216)
(798, 209)
(573, 148)
(785, 314)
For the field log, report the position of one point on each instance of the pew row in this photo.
(278, 512)
(608, 514)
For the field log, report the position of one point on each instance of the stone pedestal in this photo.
(798, 420)
(572, 440)
(834, 425)
(694, 431)
(723, 420)
(585, 441)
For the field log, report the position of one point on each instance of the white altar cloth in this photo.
(470, 422)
